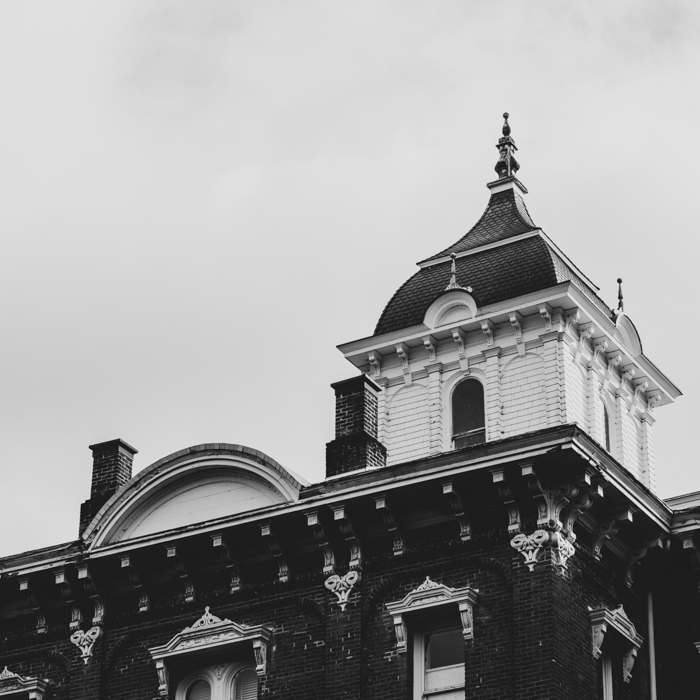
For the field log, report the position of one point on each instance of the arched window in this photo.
(468, 422)
(234, 681)
(606, 421)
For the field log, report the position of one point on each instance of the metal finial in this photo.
(507, 166)
(453, 276)
(620, 303)
(506, 126)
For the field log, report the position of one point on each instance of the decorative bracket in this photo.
(313, 521)
(586, 332)
(431, 347)
(514, 518)
(34, 604)
(375, 363)
(85, 641)
(14, 685)
(61, 579)
(459, 337)
(599, 349)
(342, 586)
(90, 589)
(402, 352)
(273, 542)
(626, 637)
(136, 582)
(516, 321)
(433, 595)
(550, 499)
(456, 504)
(652, 402)
(341, 517)
(608, 528)
(638, 554)
(570, 319)
(181, 570)
(227, 559)
(391, 524)
(487, 329)
(546, 314)
(530, 546)
(640, 388)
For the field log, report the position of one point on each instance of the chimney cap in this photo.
(118, 445)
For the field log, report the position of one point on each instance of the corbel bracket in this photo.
(314, 522)
(375, 363)
(457, 506)
(340, 516)
(588, 491)
(392, 526)
(90, 588)
(516, 320)
(459, 336)
(570, 319)
(614, 359)
(640, 388)
(546, 314)
(607, 529)
(29, 592)
(430, 345)
(599, 349)
(653, 401)
(174, 553)
(487, 329)
(402, 352)
(550, 499)
(585, 333)
(228, 560)
(514, 517)
(62, 581)
(273, 543)
(128, 565)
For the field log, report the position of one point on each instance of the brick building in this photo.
(488, 527)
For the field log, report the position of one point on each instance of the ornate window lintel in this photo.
(605, 620)
(14, 685)
(210, 633)
(430, 595)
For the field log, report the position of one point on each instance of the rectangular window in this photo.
(438, 660)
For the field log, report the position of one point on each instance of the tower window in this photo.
(468, 422)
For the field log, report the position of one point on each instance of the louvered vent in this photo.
(247, 685)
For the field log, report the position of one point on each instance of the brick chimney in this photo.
(111, 469)
(355, 445)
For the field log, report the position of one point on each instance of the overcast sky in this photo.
(199, 200)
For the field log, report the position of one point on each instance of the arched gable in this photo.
(195, 485)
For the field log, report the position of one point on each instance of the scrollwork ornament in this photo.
(530, 546)
(563, 549)
(342, 586)
(85, 641)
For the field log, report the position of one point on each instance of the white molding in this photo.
(14, 685)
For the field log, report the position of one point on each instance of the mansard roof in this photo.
(506, 216)
(495, 274)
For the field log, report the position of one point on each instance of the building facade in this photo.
(488, 526)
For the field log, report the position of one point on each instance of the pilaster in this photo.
(554, 377)
(648, 468)
(435, 400)
(494, 429)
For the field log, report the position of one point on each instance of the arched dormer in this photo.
(451, 307)
(626, 334)
(196, 485)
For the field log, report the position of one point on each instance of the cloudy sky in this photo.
(199, 200)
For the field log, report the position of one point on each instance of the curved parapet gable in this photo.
(195, 485)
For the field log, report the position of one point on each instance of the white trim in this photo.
(480, 249)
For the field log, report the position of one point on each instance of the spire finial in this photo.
(620, 303)
(453, 276)
(507, 166)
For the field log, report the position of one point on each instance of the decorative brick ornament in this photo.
(85, 641)
(342, 586)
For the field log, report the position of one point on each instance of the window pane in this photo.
(247, 685)
(444, 649)
(201, 690)
(468, 407)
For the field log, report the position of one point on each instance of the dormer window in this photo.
(468, 421)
